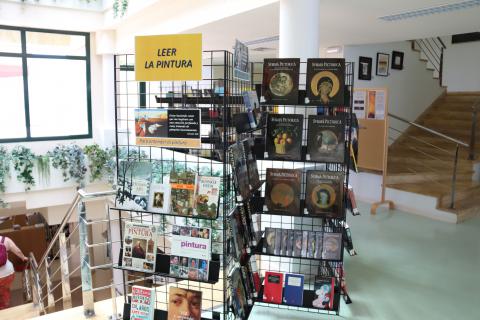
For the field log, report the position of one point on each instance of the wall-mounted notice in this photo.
(168, 57)
(370, 103)
(241, 68)
(170, 128)
(359, 103)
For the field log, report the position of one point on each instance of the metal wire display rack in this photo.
(218, 96)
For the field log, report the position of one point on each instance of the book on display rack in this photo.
(282, 192)
(326, 138)
(324, 195)
(326, 82)
(284, 136)
(139, 247)
(133, 185)
(280, 81)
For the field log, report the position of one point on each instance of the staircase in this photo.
(431, 52)
(423, 162)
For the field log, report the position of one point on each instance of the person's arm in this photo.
(13, 247)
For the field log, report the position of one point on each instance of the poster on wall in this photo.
(168, 57)
(241, 68)
(171, 128)
(370, 103)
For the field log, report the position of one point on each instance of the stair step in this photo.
(21, 312)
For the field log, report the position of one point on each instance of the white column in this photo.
(299, 29)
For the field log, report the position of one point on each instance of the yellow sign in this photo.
(168, 57)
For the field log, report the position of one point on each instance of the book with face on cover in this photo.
(143, 303)
(282, 192)
(269, 241)
(184, 304)
(297, 243)
(139, 247)
(280, 81)
(133, 185)
(284, 136)
(324, 195)
(332, 246)
(159, 200)
(326, 82)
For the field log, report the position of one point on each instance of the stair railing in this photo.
(38, 278)
(473, 130)
(415, 144)
(433, 48)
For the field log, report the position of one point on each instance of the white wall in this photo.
(411, 90)
(461, 66)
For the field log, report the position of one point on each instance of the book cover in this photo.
(284, 136)
(324, 195)
(239, 164)
(189, 268)
(304, 243)
(284, 242)
(280, 81)
(318, 244)
(282, 191)
(293, 291)
(139, 247)
(256, 277)
(143, 303)
(184, 304)
(297, 243)
(272, 290)
(237, 234)
(159, 200)
(241, 122)
(182, 192)
(290, 241)
(247, 283)
(326, 82)
(252, 169)
(326, 138)
(134, 179)
(239, 297)
(207, 196)
(324, 293)
(311, 245)
(269, 241)
(332, 246)
(192, 242)
(250, 99)
(278, 242)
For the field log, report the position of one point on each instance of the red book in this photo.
(273, 288)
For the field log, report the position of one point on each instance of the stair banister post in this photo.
(454, 179)
(48, 279)
(65, 272)
(471, 155)
(86, 273)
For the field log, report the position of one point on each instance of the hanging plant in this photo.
(23, 159)
(4, 168)
(43, 169)
(119, 7)
(77, 167)
(59, 159)
(98, 159)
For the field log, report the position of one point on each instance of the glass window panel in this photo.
(58, 97)
(12, 107)
(55, 44)
(10, 41)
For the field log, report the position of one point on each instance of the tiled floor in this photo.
(407, 267)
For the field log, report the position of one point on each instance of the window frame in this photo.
(24, 56)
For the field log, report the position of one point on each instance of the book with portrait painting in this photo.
(133, 185)
(282, 193)
(284, 136)
(324, 195)
(184, 304)
(280, 81)
(326, 82)
(159, 200)
(326, 138)
(139, 247)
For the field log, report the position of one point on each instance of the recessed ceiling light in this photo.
(335, 49)
(433, 10)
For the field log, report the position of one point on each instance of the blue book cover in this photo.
(293, 291)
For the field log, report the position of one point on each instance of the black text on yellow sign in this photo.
(168, 57)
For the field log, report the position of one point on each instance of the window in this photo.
(44, 85)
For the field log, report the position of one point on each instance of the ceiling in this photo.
(346, 22)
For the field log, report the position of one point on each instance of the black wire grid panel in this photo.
(310, 268)
(218, 96)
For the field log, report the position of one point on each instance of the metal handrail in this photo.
(80, 195)
(473, 130)
(436, 133)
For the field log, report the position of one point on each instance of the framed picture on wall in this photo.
(382, 64)
(365, 68)
(397, 60)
